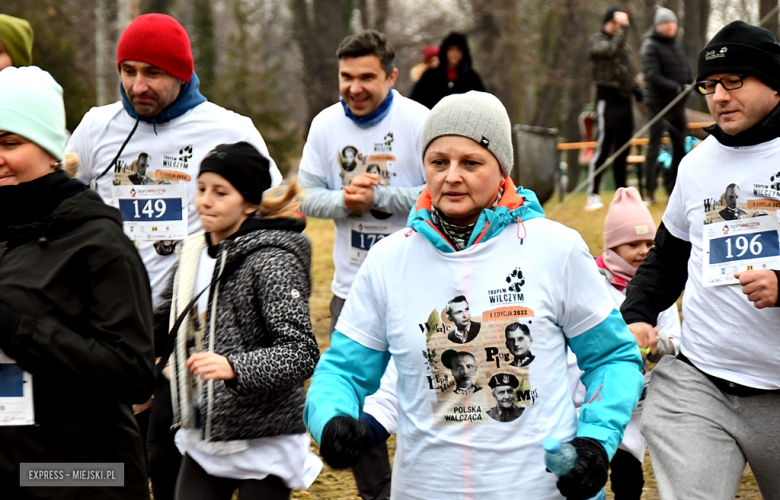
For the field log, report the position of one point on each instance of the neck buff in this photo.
(617, 266)
(372, 118)
(459, 236)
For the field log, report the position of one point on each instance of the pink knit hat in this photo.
(628, 219)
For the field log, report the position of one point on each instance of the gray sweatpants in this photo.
(700, 437)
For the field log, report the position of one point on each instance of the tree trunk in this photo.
(101, 52)
(650, 6)
(319, 39)
(204, 46)
(771, 23)
(381, 10)
(495, 44)
(697, 15)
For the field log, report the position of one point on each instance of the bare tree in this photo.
(318, 34)
(697, 16)
(768, 9)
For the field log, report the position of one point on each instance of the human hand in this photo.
(621, 18)
(210, 365)
(760, 287)
(590, 471)
(344, 442)
(646, 337)
(142, 407)
(359, 195)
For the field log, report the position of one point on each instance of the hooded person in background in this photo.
(667, 72)
(16, 41)
(75, 308)
(453, 76)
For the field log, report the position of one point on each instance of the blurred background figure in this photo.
(16, 40)
(667, 71)
(454, 76)
(430, 61)
(614, 76)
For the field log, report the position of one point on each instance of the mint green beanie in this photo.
(16, 35)
(31, 105)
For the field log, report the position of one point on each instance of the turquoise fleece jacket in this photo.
(348, 371)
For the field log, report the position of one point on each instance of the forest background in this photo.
(274, 60)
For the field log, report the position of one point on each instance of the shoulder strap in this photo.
(169, 342)
(93, 183)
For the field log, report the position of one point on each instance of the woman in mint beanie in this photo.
(75, 309)
(16, 41)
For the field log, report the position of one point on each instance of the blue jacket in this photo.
(607, 354)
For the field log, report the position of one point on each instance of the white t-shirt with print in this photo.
(338, 150)
(452, 445)
(175, 150)
(723, 334)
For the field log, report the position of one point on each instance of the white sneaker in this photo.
(594, 203)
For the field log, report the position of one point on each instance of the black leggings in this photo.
(195, 484)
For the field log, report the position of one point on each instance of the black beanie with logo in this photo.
(242, 165)
(741, 49)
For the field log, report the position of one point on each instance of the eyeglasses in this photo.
(730, 82)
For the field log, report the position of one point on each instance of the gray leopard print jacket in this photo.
(264, 329)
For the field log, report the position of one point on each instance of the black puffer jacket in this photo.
(81, 296)
(263, 327)
(435, 85)
(666, 68)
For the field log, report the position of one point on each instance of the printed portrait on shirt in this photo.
(467, 351)
(732, 204)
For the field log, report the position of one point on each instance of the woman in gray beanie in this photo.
(75, 312)
(478, 256)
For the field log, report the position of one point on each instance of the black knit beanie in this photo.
(243, 166)
(610, 13)
(742, 49)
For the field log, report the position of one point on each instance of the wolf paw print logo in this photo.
(185, 153)
(515, 280)
(775, 182)
(389, 139)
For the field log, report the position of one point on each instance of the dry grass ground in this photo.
(339, 485)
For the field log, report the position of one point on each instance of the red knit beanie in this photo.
(159, 40)
(628, 219)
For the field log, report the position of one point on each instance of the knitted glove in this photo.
(345, 441)
(9, 323)
(590, 472)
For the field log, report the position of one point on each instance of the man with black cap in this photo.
(712, 409)
(162, 114)
(503, 386)
(667, 72)
(614, 76)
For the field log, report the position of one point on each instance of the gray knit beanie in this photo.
(476, 115)
(663, 15)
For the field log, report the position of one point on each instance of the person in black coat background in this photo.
(666, 73)
(453, 76)
(75, 307)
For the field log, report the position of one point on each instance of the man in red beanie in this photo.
(164, 118)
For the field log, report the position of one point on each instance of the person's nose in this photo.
(140, 84)
(721, 94)
(453, 176)
(356, 87)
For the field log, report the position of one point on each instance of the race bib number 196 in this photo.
(740, 245)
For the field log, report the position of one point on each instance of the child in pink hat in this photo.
(629, 231)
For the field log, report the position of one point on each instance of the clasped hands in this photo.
(359, 195)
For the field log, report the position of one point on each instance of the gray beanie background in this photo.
(477, 115)
(663, 15)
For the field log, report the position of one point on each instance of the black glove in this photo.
(9, 323)
(590, 472)
(344, 442)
